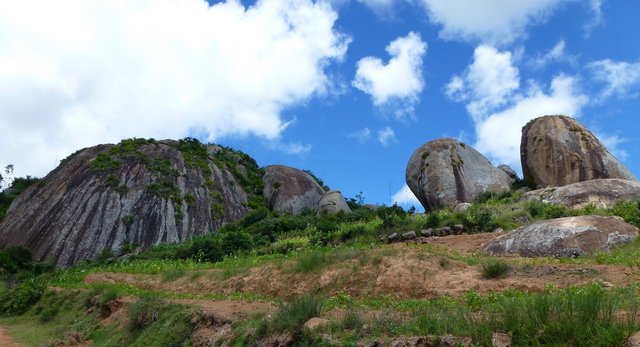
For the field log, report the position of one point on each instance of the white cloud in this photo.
(620, 78)
(487, 83)
(77, 73)
(362, 135)
(290, 148)
(405, 198)
(595, 6)
(498, 134)
(380, 7)
(387, 136)
(490, 87)
(496, 22)
(399, 82)
(555, 54)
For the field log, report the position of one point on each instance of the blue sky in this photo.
(347, 89)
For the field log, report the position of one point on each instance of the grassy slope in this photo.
(583, 315)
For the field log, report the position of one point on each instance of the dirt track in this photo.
(6, 340)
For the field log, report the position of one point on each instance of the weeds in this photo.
(144, 312)
(293, 314)
(495, 268)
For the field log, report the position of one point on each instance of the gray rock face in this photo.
(557, 150)
(599, 192)
(564, 237)
(445, 172)
(461, 207)
(509, 171)
(289, 190)
(138, 192)
(333, 202)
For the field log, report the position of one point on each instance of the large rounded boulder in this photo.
(445, 172)
(333, 202)
(564, 237)
(289, 190)
(557, 150)
(599, 192)
(136, 193)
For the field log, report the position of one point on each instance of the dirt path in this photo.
(6, 340)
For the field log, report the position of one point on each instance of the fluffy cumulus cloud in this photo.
(77, 73)
(499, 106)
(487, 83)
(405, 198)
(496, 22)
(618, 78)
(399, 82)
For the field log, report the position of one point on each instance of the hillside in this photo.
(178, 243)
(233, 288)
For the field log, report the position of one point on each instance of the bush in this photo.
(14, 259)
(629, 211)
(20, 299)
(495, 268)
(541, 210)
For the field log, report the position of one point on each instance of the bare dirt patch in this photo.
(6, 340)
(411, 271)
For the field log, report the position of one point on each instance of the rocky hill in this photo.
(138, 193)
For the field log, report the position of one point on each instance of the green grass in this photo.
(495, 268)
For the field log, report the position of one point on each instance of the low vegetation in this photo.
(309, 246)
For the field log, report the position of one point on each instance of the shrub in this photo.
(478, 219)
(20, 299)
(495, 268)
(14, 259)
(541, 210)
(629, 211)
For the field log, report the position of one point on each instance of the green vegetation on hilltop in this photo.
(7, 196)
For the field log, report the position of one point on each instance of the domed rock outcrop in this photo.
(564, 237)
(557, 150)
(445, 172)
(139, 192)
(289, 190)
(333, 202)
(599, 192)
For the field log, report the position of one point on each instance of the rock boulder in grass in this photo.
(564, 237)
(139, 192)
(599, 192)
(445, 172)
(557, 150)
(333, 202)
(289, 190)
